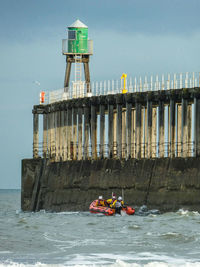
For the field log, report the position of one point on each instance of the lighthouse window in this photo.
(71, 35)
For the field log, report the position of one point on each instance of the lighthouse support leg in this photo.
(67, 73)
(87, 74)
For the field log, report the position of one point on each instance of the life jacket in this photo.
(111, 202)
(101, 202)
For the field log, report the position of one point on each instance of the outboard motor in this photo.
(143, 208)
(143, 211)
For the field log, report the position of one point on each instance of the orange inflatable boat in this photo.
(108, 211)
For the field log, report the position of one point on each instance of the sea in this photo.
(83, 239)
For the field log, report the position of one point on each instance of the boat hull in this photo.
(100, 209)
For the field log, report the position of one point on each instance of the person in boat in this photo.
(111, 202)
(101, 201)
(119, 204)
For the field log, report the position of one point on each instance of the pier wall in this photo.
(164, 183)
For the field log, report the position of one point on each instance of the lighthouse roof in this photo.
(78, 24)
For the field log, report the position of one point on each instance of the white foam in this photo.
(5, 252)
(117, 263)
(183, 212)
(187, 212)
(170, 234)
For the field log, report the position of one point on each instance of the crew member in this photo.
(111, 202)
(101, 201)
(119, 204)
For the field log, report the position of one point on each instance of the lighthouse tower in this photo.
(77, 49)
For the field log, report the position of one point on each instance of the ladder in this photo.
(78, 68)
(77, 85)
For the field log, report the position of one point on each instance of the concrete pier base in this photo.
(73, 185)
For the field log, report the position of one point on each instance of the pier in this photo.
(151, 120)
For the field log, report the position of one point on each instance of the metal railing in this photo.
(149, 83)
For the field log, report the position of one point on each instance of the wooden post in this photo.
(57, 140)
(35, 134)
(133, 133)
(172, 128)
(168, 132)
(154, 132)
(110, 130)
(94, 131)
(138, 130)
(80, 143)
(197, 126)
(189, 130)
(86, 131)
(123, 133)
(65, 156)
(184, 130)
(179, 130)
(119, 131)
(44, 145)
(54, 136)
(128, 128)
(102, 130)
(49, 134)
(69, 133)
(146, 134)
(161, 129)
(67, 72)
(149, 122)
(74, 114)
(142, 140)
(87, 73)
(61, 133)
(115, 133)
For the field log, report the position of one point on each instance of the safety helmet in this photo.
(100, 197)
(113, 197)
(120, 198)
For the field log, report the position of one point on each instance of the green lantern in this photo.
(78, 38)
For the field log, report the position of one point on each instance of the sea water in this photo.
(84, 239)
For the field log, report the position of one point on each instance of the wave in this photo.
(118, 263)
(187, 212)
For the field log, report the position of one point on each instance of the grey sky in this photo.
(136, 37)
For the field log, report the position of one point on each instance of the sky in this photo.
(138, 37)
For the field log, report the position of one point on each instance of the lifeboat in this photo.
(100, 209)
(129, 210)
(108, 211)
